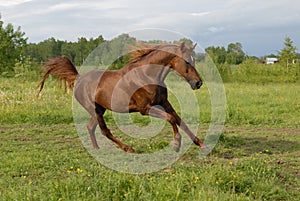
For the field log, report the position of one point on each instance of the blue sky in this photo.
(260, 26)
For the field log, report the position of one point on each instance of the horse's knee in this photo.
(92, 124)
(171, 119)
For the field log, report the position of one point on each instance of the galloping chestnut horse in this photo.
(137, 87)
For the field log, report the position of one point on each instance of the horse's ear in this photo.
(182, 46)
(194, 46)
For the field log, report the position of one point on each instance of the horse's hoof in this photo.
(205, 148)
(129, 150)
(96, 147)
(177, 143)
(176, 148)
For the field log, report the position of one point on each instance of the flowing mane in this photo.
(145, 49)
(136, 55)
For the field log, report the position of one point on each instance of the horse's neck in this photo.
(156, 72)
(155, 66)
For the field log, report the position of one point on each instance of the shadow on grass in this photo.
(250, 143)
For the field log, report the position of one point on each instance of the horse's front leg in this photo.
(183, 126)
(160, 113)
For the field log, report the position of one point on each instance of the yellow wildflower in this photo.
(79, 170)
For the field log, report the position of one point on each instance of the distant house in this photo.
(271, 60)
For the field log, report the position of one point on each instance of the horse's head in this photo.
(184, 64)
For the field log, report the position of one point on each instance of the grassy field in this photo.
(257, 157)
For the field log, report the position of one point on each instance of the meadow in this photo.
(256, 158)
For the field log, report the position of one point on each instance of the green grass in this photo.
(272, 105)
(257, 157)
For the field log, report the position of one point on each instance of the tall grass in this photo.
(250, 71)
(275, 105)
(20, 104)
(272, 105)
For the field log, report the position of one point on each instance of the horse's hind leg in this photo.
(91, 126)
(105, 131)
(84, 98)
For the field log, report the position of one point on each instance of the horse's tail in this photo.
(61, 68)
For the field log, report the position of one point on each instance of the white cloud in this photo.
(199, 14)
(216, 29)
(12, 2)
(64, 6)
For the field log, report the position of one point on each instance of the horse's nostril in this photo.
(198, 84)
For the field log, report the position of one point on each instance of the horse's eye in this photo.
(187, 63)
(186, 70)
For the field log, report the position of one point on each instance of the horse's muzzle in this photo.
(195, 84)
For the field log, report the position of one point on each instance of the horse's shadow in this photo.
(239, 146)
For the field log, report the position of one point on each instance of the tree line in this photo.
(12, 45)
(234, 54)
(17, 55)
(51, 48)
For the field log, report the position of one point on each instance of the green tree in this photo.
(69, 49)
(82, 50)
(217, 54)
(44, 50)
(288, 54)
(50, 48)
(113, 51)
(12, 44)
(235, 54)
